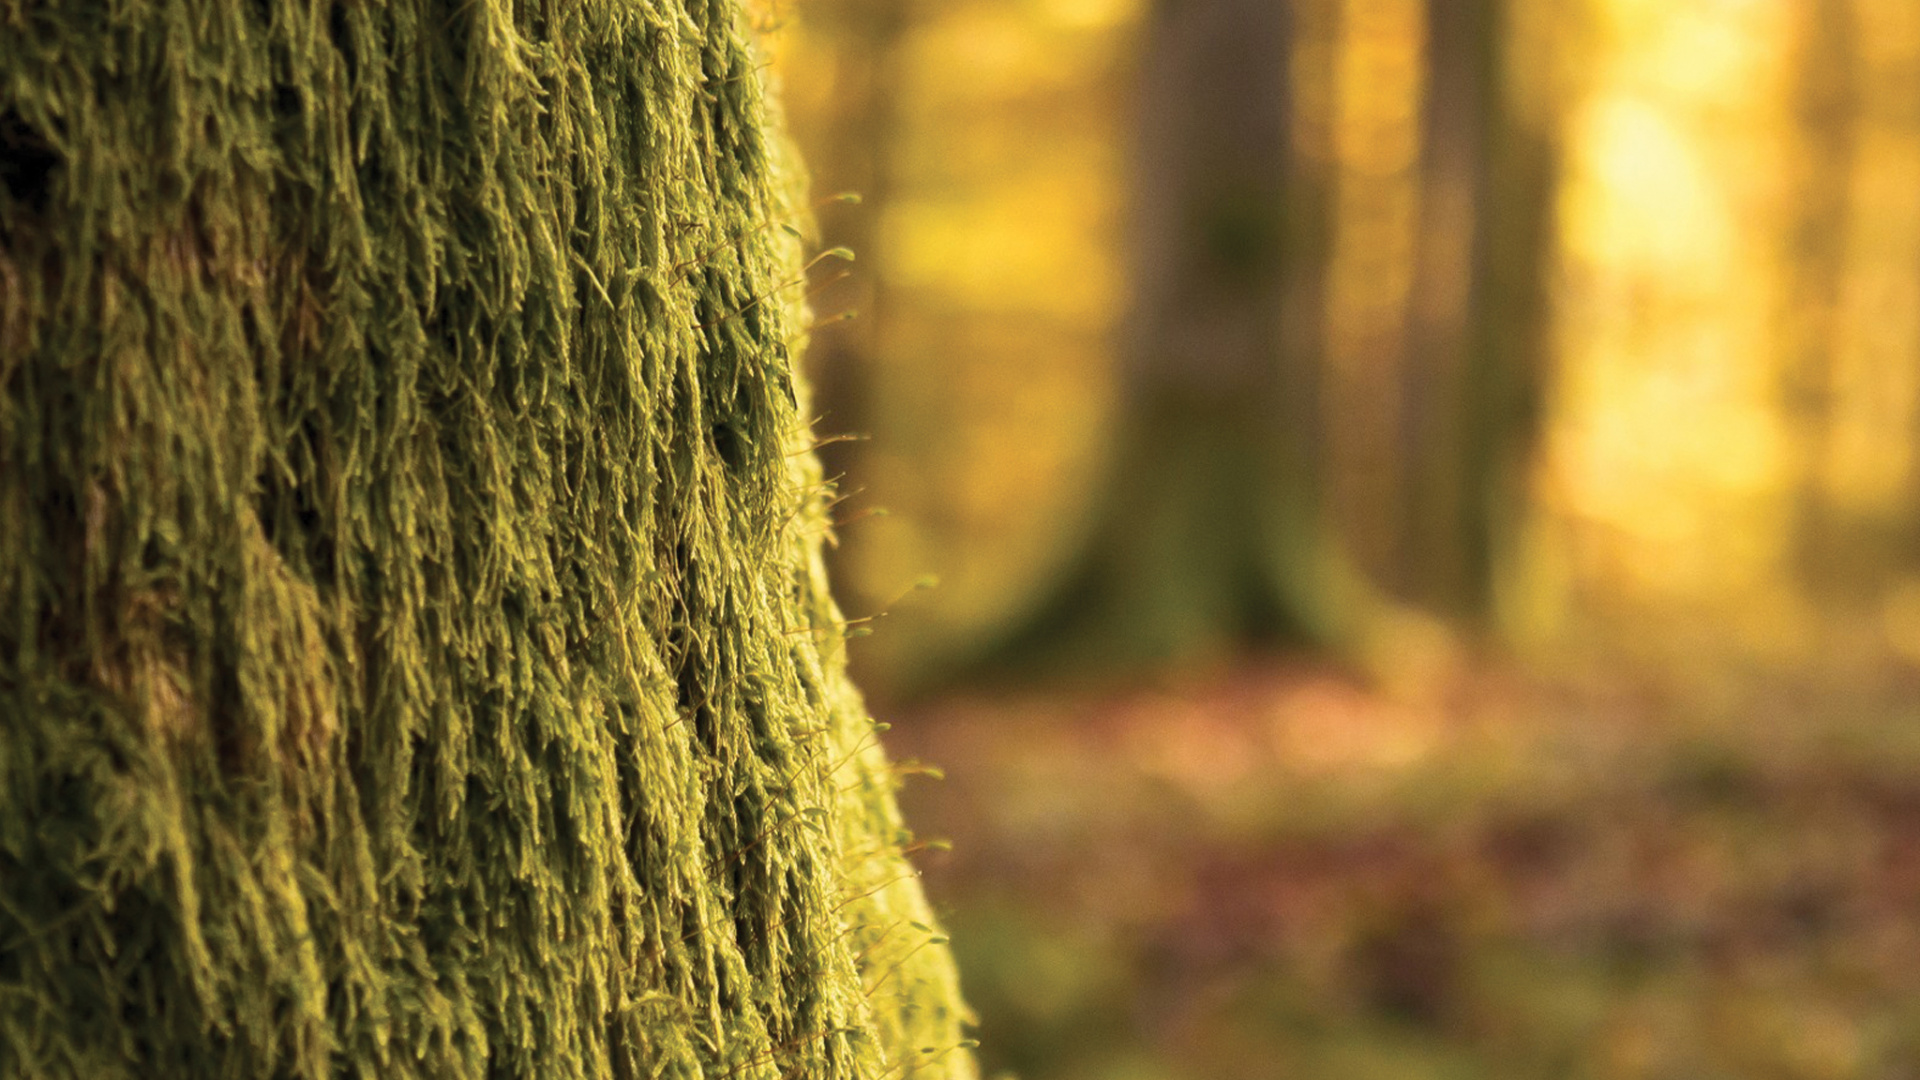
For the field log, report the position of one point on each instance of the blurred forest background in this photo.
(1399, 518)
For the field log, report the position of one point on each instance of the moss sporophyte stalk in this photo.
(415, 659)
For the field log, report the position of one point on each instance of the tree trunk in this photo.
(852, 153)
(1826, 106)
(1475, 362)
(1209, 533)
(414, 655)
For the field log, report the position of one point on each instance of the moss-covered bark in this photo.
(414, 659)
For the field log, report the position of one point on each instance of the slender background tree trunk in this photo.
(1208, 533)
(1825, 110)
(1475, 361)
(855, 145)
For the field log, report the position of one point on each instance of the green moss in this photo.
(414, 656)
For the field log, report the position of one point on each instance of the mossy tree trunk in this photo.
(414, 656)
(1208, 535)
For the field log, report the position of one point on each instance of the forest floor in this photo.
(1275, 871)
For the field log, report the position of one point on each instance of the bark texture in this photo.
(414, 654)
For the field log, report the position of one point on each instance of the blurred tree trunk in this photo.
(850, 155)
(1474, 364)
(412, 659)
(1826, 108)
(1209, 534)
